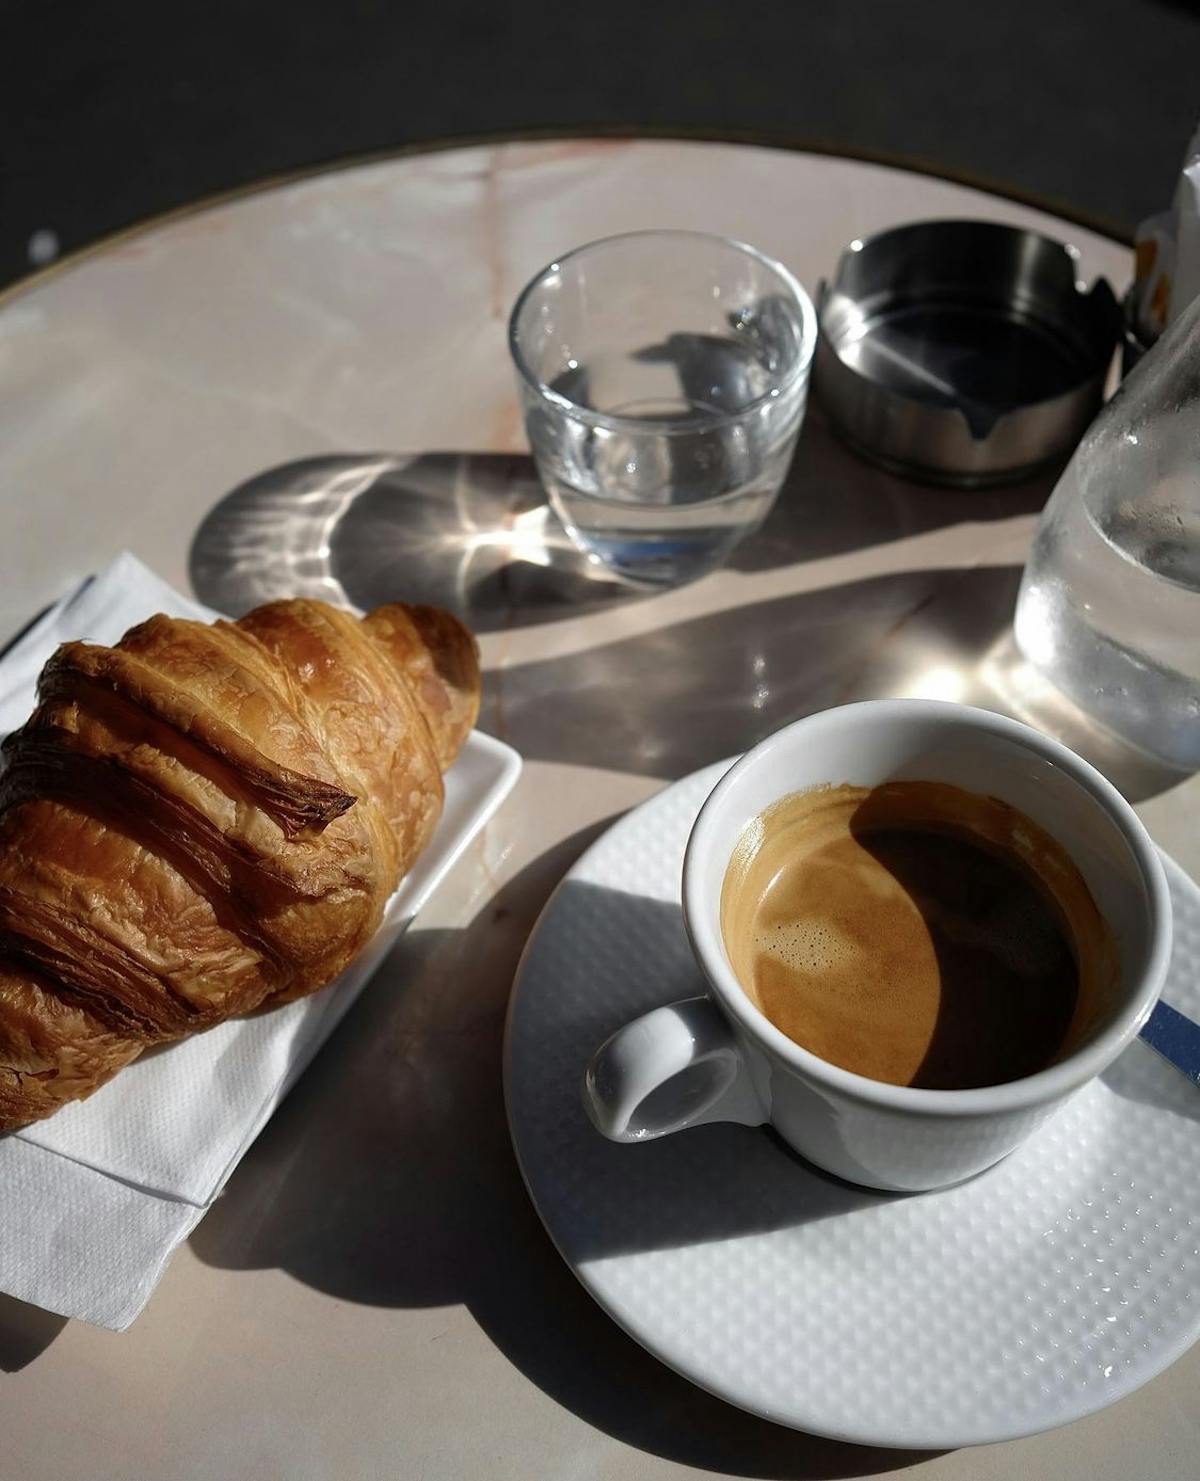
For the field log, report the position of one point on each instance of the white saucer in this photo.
(1040, 1291)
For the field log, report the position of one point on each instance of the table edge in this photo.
(632, 133)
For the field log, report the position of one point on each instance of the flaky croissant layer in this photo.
(205, 820)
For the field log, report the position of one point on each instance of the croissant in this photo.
(206, 820)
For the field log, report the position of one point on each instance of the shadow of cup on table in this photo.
(388, 1178)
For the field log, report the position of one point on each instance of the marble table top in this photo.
(245, 395)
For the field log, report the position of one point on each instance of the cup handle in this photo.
(676, 1067)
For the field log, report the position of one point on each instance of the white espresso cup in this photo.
(718, 1058)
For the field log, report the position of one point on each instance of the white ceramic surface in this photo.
(886, 1136)
(1043, 1289)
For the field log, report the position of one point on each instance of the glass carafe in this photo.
(1109, 607)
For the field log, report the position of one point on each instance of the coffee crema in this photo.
(916, 933)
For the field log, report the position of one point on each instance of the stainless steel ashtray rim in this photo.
(962, 351)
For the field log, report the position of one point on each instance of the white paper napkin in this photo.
(96, 1198)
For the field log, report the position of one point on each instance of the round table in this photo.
(373, 1294)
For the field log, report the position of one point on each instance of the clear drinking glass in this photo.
(663, 377)
(1109, 607)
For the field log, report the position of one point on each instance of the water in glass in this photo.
(1109, 606)
(663, 378)
(660, 506)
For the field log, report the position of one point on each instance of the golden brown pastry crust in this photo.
(206, 819)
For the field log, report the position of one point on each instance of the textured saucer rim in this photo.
(809, 1421)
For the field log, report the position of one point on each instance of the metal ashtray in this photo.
(962, 352)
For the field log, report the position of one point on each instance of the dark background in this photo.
(117, 111)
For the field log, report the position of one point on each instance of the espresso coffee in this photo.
(916, 933)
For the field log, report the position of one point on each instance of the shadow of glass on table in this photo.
(473, 531)
(388, 1178)
(468, 531)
